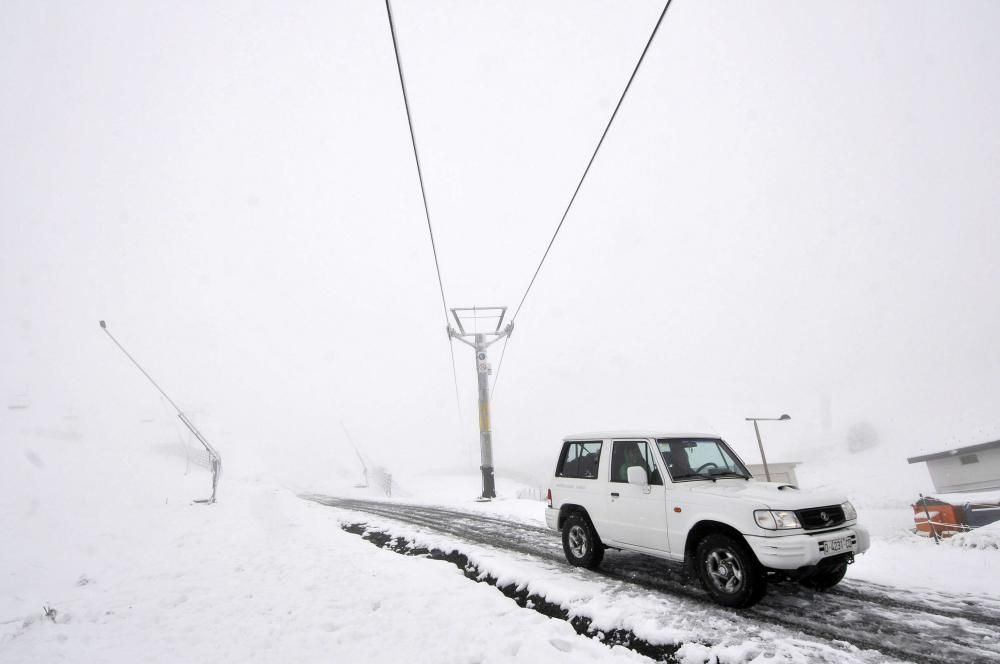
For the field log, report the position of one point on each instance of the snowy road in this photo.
(896, 623)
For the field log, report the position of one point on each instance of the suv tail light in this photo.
(548, 497)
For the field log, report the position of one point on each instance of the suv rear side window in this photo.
(580, 459)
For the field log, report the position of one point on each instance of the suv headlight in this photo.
(776, 519)
(849, 512)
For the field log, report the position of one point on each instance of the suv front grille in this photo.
(821, 517)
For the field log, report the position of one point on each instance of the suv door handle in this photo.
(614, 494)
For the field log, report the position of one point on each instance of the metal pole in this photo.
(485, 430)
(930, 522)
(364, 466)
(767, 471)
(480, 342)
(213, 455)
(104, 326)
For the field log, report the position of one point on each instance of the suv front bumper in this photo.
(791, 552)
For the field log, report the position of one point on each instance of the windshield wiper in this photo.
(733, 473)
(692, 476)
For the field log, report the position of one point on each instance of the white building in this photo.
(783, 472)
(972, 468)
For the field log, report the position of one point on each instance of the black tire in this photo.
(582, 546)
(729, 571)
(825, 579)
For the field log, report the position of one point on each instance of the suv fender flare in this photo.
(705, 527)
(570, 508)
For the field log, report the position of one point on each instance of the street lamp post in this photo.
(755, 420)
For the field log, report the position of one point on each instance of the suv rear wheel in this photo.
(581, 544)
(729, 571)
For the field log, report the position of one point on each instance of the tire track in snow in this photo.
(927, 627)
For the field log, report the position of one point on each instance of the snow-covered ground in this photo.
(104, 535)
(134, 572)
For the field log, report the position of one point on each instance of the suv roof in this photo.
(647, 433)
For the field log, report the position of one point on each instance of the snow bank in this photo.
(987, 537)
(107, 538)
(917, 563)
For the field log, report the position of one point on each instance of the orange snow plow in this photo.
(936, 518)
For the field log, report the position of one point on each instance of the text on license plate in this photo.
(838, 545)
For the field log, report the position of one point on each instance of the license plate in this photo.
(839, 545)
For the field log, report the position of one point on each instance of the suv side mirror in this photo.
(637, 475)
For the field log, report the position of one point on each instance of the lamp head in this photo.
(784, 417)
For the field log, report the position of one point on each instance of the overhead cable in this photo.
(423, 194)
(593, 156)
(503, 351)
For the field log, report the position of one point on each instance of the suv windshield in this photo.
(699, 459)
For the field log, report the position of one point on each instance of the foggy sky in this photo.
(797, 205)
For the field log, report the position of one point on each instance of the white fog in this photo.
(794, 211)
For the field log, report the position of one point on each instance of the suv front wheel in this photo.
(581, 544)
(729, 571)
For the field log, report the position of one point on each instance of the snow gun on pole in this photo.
(364, 466)
(213, 455)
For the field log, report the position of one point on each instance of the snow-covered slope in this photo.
(105, 537)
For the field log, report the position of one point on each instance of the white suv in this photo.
(688, 498)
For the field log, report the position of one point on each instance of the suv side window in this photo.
(626, 453)
(580, 459)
